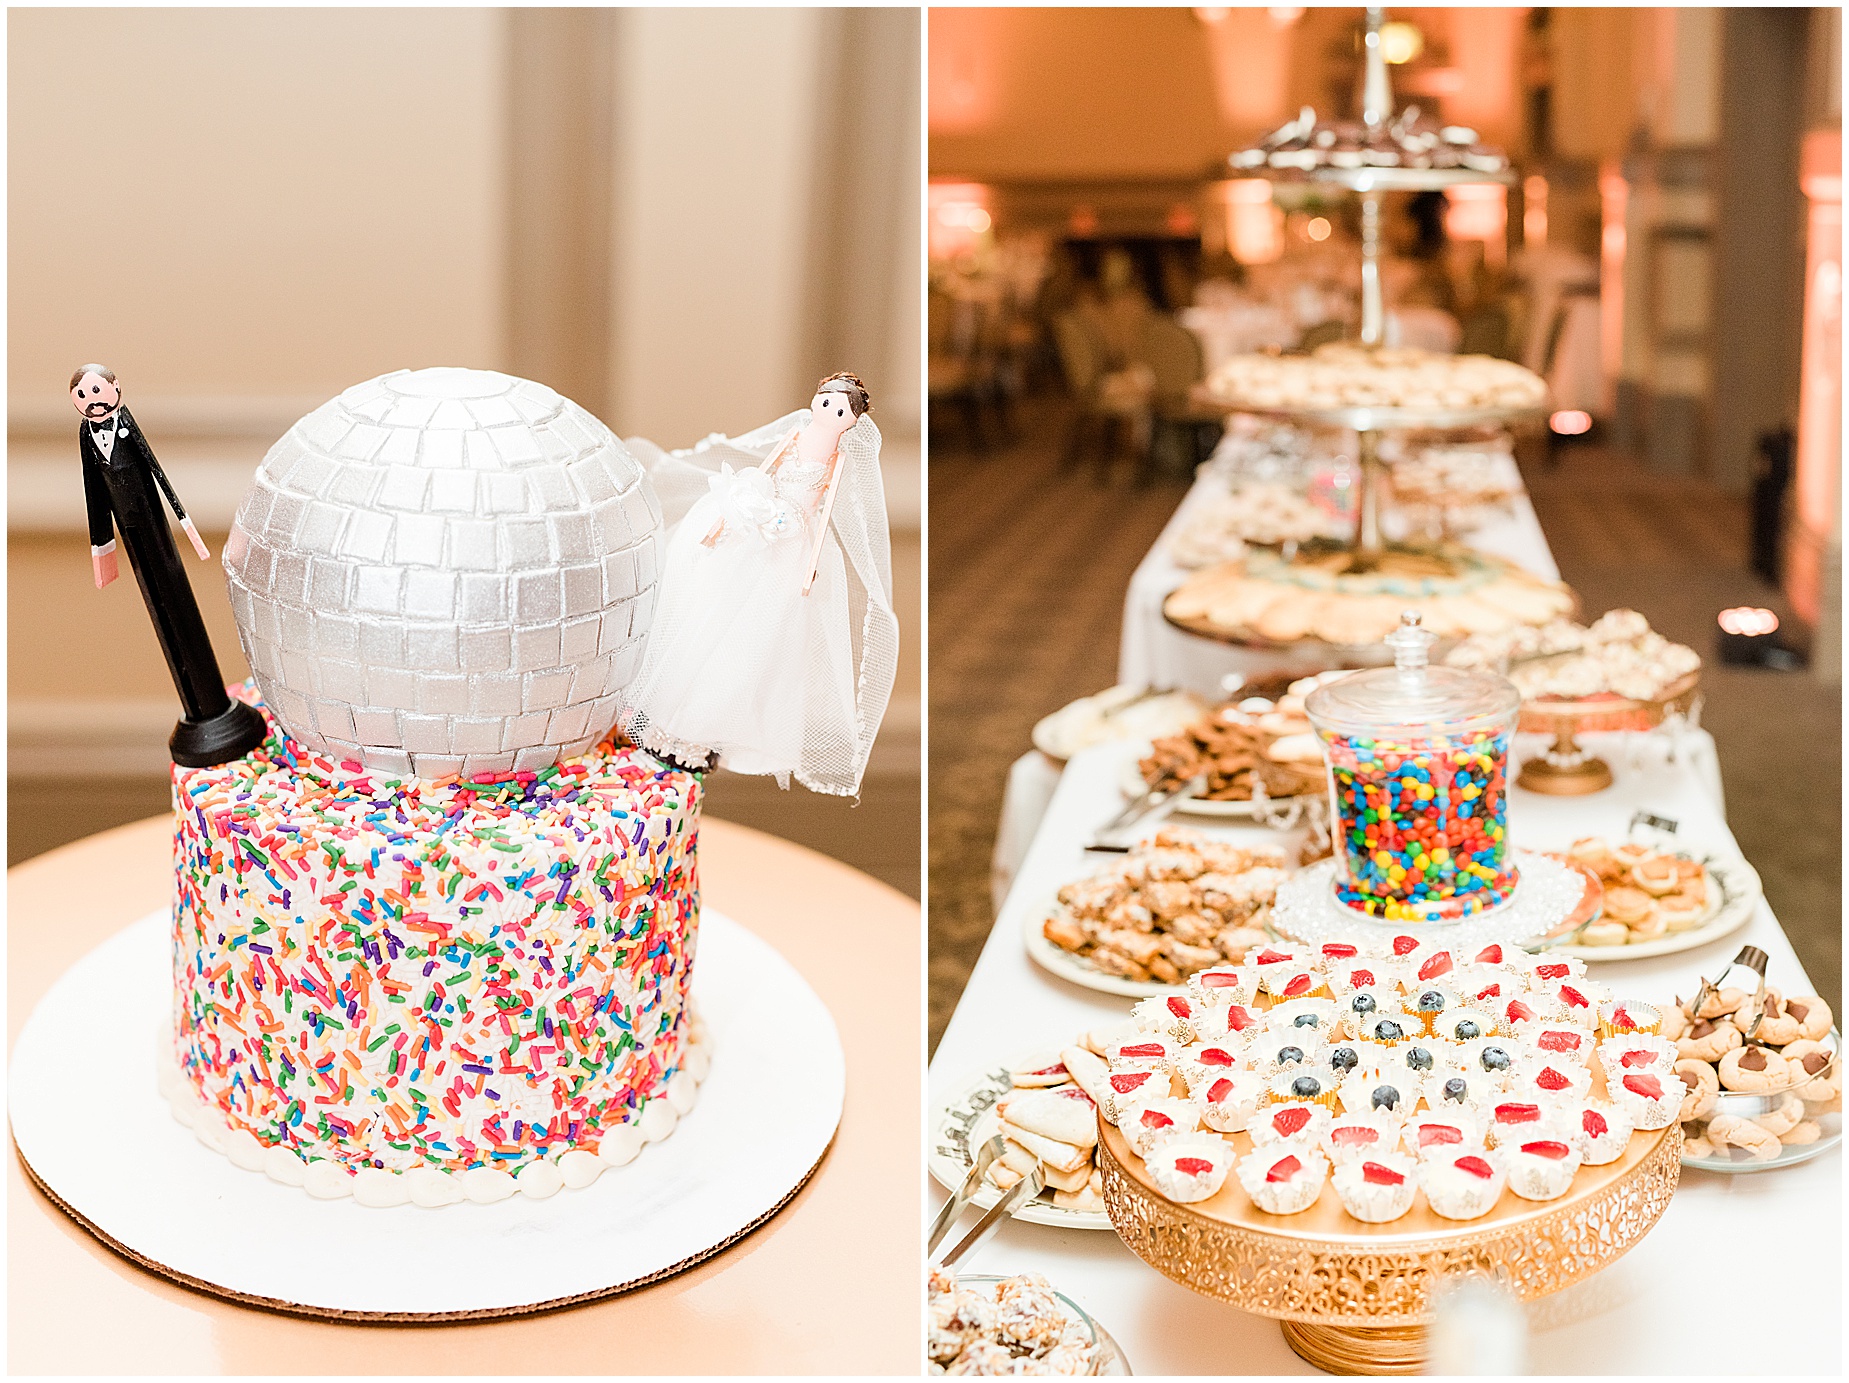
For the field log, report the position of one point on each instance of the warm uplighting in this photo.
(1820, 374)
(1401, 42)
(1181, 220)
(1254, 225)
(1213, 15)
(1614, 202)
(1285, 15)
(1318, 229)
(1570, 422)
(1082, 222)
(1534, 212)
(1479, 211)
(1748, 620)
(959, 218)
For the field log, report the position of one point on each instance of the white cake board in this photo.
(97, 1136)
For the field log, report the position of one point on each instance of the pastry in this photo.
(1190, 1169)
(1304, 1084)
(1171, 1015)
(1040, 1069)
(1377, 1186)
(1637, 1052)
(1088, 1069)
(1228, 1103)
(1219, 985)
(1286, 1122)
(1360, 1135)
(1731, 1131)
(1148, 1125)
(1813, 1017)
(1541, 1169)
(1434, 1134)
(1284, 1178)
(1754, 1069)
(1463, 1185)
(1709, 1039)
(1604, 934)
(1132, 1086)
(1821, 1076)
(1065, 1114)
(1601, 1131)
(1626, 1016)
(1703, 1085)
(1652, 1099)
(1628, 905)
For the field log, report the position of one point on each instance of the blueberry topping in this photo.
(1289, 1055)
(1386, 1097)
(1455, 1089)
(1431, 1001)
(1362, 1003)
(1388, 1031)
(1344, 1059)
(1308, 1087)
(1467, 1029)
(1419, 1059)
(1304, 1020)
(1494, 1059)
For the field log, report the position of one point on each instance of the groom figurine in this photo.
(120, 476)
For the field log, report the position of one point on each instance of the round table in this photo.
(785, 1299)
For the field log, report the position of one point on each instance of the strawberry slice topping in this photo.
(1179, 1007)
(1476, 1166)
(1361, 979)
(1352, 1135)
(1072, 1092)
(1155, 1118)
(1239, 1018)
(1558, 1040)
(1405, 945)
(1219, 1090)
(1517, 1011)
(1439, 1133)
(1271, 957)
(1220, 980)
(1299, 984)
(1284, 1169)
(1550, 1079)
(1216, 1056)
(1648, 1086)
(1436, 965)
(1594, 1123)
(1058, 1068)
(1489, 955)
(1546, 1148)
(1142, 1050)
(1381, 1176)
(1493, 991)
(1340, 950)
(1289, 1121)
(1630, 1059)
(1621, 1019)
(1553, 972)
(1517, 1113)
(1193, 1166)
(1126, 1081)
(1573, 997)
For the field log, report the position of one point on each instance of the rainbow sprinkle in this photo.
(432, 973)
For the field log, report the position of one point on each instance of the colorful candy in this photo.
(432, 973)
(1423, 823)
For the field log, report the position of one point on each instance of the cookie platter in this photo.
(967, 1120)
(1233, 809)
(1739, 891)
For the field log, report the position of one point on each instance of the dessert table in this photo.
(784, 1299)
(1154, 653)
(1647, 1313)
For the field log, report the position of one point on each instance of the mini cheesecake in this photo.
(1206, 1061)
(1305, 1016)
(1490, 1060)
(1284, 1178)
(1229, 1103)
(1540, 1168)
(1552, 1078)
(1463, 1024)
(1277, 1122)
(1419, 1059)
(1431, 963)
(1544, 971)
(1374, 1093)
(1268, 960)
(1424, 1003)
(1636, 1052)
(1620, 1017)
(1389, 1029)
(1434, 1133)
(1602, 1131)
(1652, 1098)
(1122, 1089)
(1377, 1187)
(1486, 986)
(1168, 1015)
(1345, 1057)
(1293, 982)
(1562, 1040)
(1356, 1007)
(1273, 1052)
(1379, 975)
(1518, 1118)
(1576, 1001)
(1361, 1135)
(1229, 1023)
(1190, 1169)
(1304, 1084)
(1456, 1093)
(1463, 1185)
(1148, 1125)
(1220, 985)
(1143, 1051)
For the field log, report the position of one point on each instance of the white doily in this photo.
(1548, 891)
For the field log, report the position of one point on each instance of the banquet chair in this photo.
(1112, 405)
(1176, 364)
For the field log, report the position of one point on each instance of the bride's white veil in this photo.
(834, 757)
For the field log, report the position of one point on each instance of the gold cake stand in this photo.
(1355, 1298)
(1567, 769)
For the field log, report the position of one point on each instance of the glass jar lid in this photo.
(1412, 694)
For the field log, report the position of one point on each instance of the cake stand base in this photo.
(94, 1132)
(1358, 1349)
(1586, 774)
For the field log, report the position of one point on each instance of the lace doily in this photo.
(1307, 911)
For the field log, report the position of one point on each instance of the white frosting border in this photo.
(431, 1187)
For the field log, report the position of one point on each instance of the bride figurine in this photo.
(774, 644)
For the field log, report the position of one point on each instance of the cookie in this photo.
(1064, 1114)
(1818, 1062)
(1813, 1016)
(1776, 1025)
(1709, 1039)
(1697, 1147)
(1675, 1021)
(1730, 1131)
(1628, 905)
(1782, 1118)
(1754, 1069)
(1042, 1068)
(1807, 1131)
(1703, 1085)
(1604, 934)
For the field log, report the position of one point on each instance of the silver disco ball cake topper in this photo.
(445, 571)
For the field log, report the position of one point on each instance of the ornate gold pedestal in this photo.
(1567, 770)
(1354, 1297)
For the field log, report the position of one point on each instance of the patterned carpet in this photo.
(1028, 569)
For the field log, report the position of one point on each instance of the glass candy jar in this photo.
(1418, 762)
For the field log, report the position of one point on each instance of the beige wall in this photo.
(262, 207)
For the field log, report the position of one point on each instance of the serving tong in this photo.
(1753, 959)
(1119, 833)
(1012, 1200)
